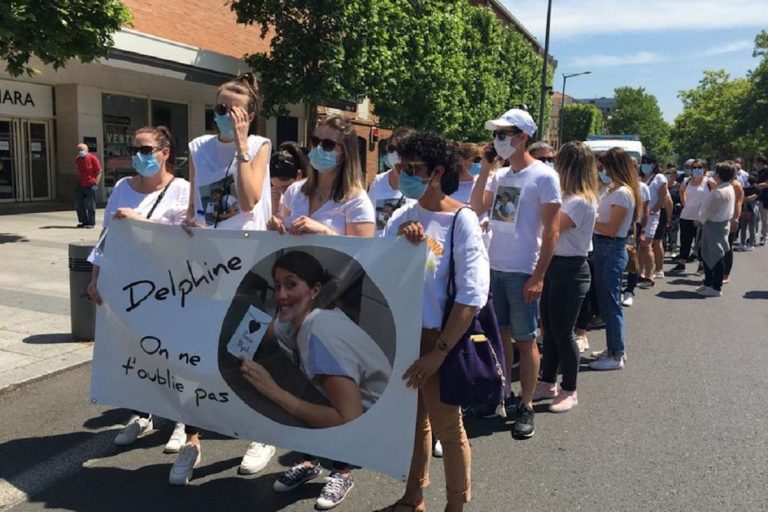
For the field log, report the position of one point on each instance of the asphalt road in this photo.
(683, 427)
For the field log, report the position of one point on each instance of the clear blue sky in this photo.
(662, 45)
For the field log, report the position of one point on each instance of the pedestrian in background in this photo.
(88, 177)
(716, 215)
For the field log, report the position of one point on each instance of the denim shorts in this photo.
(512, 312)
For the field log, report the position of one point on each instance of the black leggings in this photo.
(565, 286)
(728, 258)
(687, 237)
(589, 306)
(713, 277)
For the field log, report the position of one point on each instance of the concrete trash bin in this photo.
(82, 311)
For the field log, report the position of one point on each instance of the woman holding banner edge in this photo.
(429, 176)
(330, 201)
(154, 194)
(232, 159)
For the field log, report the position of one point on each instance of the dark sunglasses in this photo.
(325, 144)
(144, 150)
(477, 160)
(411, 168)
(221, 109)
(501, 135)
(546, 159)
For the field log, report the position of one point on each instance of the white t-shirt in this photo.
(576, 240)
(621, 196)
(645, 193)
(465, 191)
(385, 200)
(329, 343)
(694, 197)
(470, 259)
(334, 215)
(216, 171)
(171, 209)
(516, 215)
(654, 186)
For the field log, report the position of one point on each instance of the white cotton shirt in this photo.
(718, 205)
(216, 168)
(334, 215)
(654, 187)
(330, 344)
(694, 197)
(645, 192)
(385, 200)
(516, 215)
(171, 209)
(576, 240)
(621, 196)
(470, 259)
(464, 191)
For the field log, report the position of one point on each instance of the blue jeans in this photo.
(610, 257)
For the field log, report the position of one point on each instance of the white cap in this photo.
(689, 161)
(520, 119)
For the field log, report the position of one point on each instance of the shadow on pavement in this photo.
(7, 238)
(49, 339)
(756, 295)
(59, 227)
(680, 294)
(688, 282)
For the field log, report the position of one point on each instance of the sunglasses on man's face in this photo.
(325, 144)
(144, 150)
(412, 168)
(501, 135)
(546, 159)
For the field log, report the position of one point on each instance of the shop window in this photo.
(287, 129)
(174, 116)
(122, 116)
(210, 124)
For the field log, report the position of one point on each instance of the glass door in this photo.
(7, 162)
(38, 175)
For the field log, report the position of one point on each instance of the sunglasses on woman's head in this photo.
(501, 135)
(144, 150)
(325, 144)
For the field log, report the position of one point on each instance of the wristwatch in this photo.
(442, 345)
(243, 157)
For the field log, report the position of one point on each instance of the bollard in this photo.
(82, 311)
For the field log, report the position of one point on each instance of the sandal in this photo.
(401, 506)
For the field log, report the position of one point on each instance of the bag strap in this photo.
(451, 287)
(160, 198)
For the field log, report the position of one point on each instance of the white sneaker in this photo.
(607, 363)
(659, 274)
(177, 440)
(710, 292)
(187, 460)
(628, 300)
(256, 458)
(135, 428)
(583, 343)
(437, 450)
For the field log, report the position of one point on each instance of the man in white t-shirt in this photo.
(523, 200)
(652, 257)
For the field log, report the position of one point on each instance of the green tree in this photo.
(580, 120)
(637, 112)
(55, 31)
(752, 123)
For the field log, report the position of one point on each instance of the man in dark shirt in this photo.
(88, 176)
(761, 166)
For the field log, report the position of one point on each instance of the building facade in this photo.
(558, 102)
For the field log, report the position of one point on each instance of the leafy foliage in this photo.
(57, 30)
(442, 65)
(637, 112)
(580, 120)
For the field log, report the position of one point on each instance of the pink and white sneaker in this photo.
(544, 391)
(564, 401)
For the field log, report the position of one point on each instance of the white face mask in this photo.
(393, 159)
(504, 148)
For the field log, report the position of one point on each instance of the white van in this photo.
(630, 143)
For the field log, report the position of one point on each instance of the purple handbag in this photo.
(473, 372)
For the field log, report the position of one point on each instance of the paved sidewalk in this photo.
(35, 332)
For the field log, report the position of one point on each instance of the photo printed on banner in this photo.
(329, 327)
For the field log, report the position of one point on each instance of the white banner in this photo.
(180, 311)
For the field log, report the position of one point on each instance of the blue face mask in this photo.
(146, 165)
(412, 187)
(323, 161)
(646, 169)
(698, 172)
(81, 154)
(604, 177)
(474, 169)
(225, 126)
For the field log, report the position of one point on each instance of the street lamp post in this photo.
(544, 88)
(562, 104)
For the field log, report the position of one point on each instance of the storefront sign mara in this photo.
(25, 100)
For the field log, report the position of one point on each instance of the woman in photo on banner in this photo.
(429, 176)
(335, 354)
(230, 189)
(330, 201)
(153, 194)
